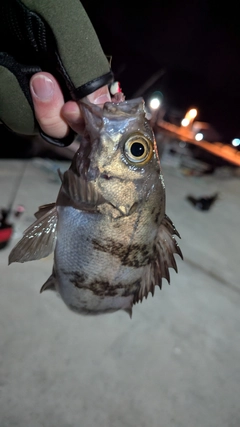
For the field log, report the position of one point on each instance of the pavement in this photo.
(176, 363)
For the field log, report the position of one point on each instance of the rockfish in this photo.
(112, 241)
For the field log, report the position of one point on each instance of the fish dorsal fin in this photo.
(82, 192)
(165, 246)
(38, 240)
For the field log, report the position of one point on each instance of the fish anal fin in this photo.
(49, 285)
(165, 247)
(38, 240)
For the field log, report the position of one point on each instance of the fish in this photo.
(112, 240)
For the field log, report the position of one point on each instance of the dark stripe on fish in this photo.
(100, 287)
(132, 255)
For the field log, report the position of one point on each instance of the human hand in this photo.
(54, 115)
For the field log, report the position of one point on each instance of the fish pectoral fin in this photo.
(82, 192)
(49, 285)
(38, 240)
(44, 209)
(166, 246)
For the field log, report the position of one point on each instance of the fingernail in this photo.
(42, 88)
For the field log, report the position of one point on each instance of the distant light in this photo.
(192, 113)
(185, 122)
(155, 103)
(199, 136)
(236, 142)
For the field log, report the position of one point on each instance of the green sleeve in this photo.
(77, 42)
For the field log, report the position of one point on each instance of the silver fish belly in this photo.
(112, 240)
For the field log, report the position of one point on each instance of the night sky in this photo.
(195, 43)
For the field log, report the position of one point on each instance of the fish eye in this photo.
(138, 149)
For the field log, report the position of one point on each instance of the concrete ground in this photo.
(175, 364)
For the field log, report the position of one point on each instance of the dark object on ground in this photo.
(203, 203)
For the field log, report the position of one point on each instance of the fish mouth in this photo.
(124, 209)
(106, 176)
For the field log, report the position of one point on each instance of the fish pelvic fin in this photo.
(38, 240)
(128, 311)
(83, 193)
(49, 285)
(165, 246)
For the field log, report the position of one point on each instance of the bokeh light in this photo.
(185, 122)
(192, 113)
(236, 142)
(199, 136)
(155, 103)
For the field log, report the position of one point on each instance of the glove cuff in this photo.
(92, 86)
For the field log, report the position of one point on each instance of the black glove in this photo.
(46, 35)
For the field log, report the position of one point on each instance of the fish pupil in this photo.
(137, 149)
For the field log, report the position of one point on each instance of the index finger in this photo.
(48, 102)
